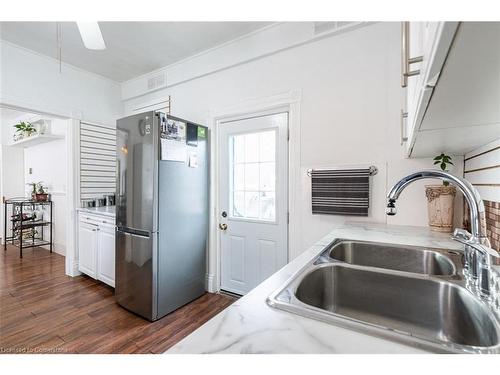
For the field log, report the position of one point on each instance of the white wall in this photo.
(351, 100)
(33, 82)
(48, 164)
(11, 167)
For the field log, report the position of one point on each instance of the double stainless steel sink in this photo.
(410, 294)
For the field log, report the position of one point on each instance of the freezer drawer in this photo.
(134, 273)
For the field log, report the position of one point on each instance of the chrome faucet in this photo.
(478, 252)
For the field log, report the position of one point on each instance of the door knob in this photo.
(222, 226)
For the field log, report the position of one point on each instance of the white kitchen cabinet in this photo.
(430, 43)
(106, 254)
(452, 104)
(96, 247)
(87, 246)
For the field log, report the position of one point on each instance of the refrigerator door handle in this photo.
(134, 232)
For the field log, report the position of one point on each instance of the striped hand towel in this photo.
(341, 192)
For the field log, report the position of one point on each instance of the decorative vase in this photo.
(440, 205)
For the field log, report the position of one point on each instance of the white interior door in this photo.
(253, 199)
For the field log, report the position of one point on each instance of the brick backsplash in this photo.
(492, 210)
(492, 216)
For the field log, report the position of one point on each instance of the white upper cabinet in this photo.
(453, 103)
(424, 48)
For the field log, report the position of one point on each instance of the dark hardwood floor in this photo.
(44, 311)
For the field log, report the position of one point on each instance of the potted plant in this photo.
(440, 199)
(41, 194)
(24, 130)
(38, 192)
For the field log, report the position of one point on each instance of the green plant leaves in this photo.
(443, 160)
(25, 127)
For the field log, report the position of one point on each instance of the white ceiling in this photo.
(133, 48)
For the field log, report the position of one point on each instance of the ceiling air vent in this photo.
(332, 26)
(157, 82)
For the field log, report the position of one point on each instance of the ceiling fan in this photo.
(91, 35)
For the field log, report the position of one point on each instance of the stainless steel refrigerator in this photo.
(161, 213)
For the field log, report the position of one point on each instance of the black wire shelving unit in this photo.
(26, 228)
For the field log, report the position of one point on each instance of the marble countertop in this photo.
(251, 326)
(104, 210)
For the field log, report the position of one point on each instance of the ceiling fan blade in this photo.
(91, 35)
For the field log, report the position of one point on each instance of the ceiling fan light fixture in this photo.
(91, 35)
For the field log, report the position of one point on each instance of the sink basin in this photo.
(408, 294)
(433, 310)
(407, 259)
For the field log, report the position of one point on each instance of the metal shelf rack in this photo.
(27, 230)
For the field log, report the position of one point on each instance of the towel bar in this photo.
(373, 170)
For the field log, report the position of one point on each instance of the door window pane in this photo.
(251, 147)
(239, 177)
(252, 204)
(239, 204)
(253, 175)
(267, 177)
(267, 206)
(267, 146)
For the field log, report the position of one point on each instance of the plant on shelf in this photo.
(41, 194)
(24, 129)
(440, 199)
(38, 191)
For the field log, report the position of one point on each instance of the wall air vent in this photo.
(157, 82)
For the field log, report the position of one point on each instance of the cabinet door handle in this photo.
(404, 115)
(406, 61)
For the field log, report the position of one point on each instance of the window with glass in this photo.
(253, 175)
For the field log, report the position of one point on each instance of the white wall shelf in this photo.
(36, 140)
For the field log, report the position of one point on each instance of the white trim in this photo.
(74, 269)
(209, 282)
(20, 104)
(72, 181)
(59, 248)
(289, 101)
(156, 104)
(71, 178)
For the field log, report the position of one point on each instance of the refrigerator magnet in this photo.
(193, 160)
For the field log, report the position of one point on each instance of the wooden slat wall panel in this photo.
(97, 160)
(482, 169)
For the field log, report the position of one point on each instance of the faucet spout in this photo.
(477, 253)
(470, 193)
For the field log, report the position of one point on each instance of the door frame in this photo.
(285, 102)
(72, 117)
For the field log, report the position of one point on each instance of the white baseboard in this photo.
(59, 249)
(74, 271)
(210, 283)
